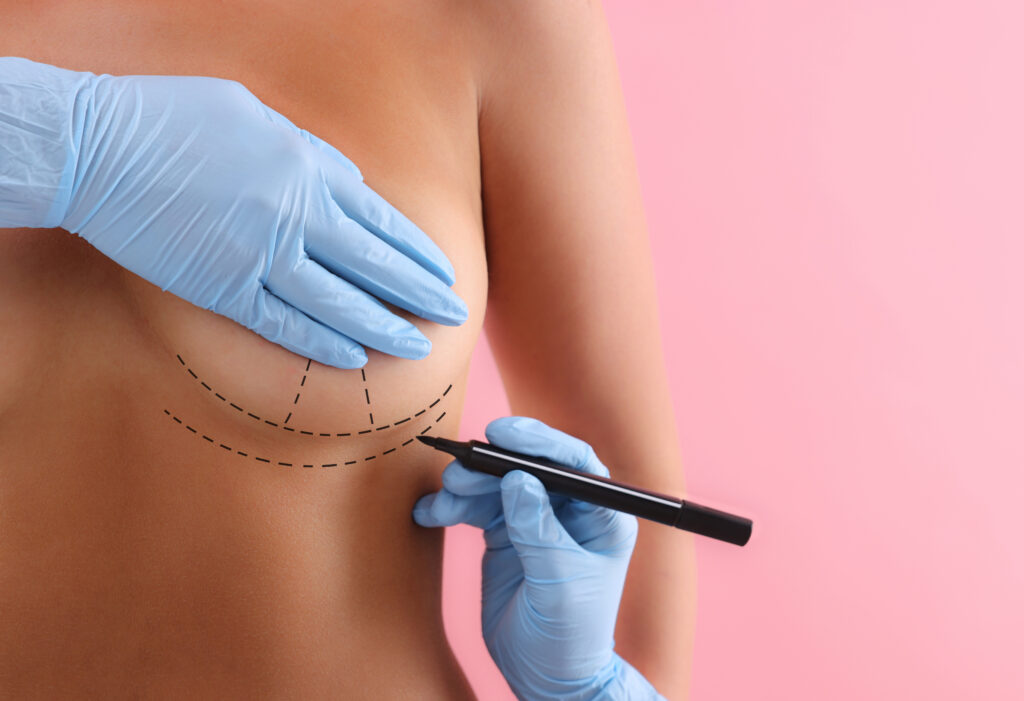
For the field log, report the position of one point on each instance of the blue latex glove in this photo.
(195, 185)
(553, 571)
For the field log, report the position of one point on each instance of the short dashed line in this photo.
(284, 463)
(366, 394)
(309, 361)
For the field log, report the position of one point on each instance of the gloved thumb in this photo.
(546, 550)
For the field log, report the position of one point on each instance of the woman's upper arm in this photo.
(572, 312)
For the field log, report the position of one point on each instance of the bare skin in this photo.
(140, 559)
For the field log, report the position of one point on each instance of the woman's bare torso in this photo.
(185, 508)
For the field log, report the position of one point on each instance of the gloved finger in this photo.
(286, 326)
(347, 309)
(315, 141)
(350, 251)
(532, 437)
(381, 219)
(460, 480)
(600, 530)
(546, 550)
(442, 508)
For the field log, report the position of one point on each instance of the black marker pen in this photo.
(484, 457)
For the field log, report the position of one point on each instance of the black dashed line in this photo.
(167, 412)
(307, 466)
(226, 447)
(366, 393)
(242, 454)
(191, 429)
(369, 430)
(303, 384)
(296, 399)
(371, 457)
(409, 441)
(381, 428)
(176, 419)
(389, 451)
(425, 430)
(306, 433)
(207, 438)
(329, 464)
(262, 459)
(351, 462)
(440, 417)
(327, 435)
(286, 464)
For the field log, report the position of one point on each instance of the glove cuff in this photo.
(42, 116)
(625, 683)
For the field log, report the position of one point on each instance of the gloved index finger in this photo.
(532, 437)
(378, 216)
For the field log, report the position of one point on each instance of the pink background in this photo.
(835, 201)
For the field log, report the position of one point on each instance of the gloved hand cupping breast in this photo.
(553, 571)
(195, 185)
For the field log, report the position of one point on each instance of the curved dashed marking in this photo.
(292, 463)
(282, 426)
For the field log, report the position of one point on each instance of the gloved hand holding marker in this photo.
(555, 566)
(195, 185)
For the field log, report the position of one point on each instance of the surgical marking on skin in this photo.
(309, 361)
(292, 463)
(366, 394)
